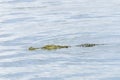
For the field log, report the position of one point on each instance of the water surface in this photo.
(25, 23)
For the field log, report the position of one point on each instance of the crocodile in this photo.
(55, 47)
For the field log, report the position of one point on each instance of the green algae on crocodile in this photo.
(54, 47)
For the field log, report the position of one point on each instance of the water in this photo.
(25, 23)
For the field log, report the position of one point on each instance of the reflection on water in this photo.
(25, 23)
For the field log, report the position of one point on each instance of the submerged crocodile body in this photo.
(55, 47)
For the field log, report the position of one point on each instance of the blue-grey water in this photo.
(25, 23)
